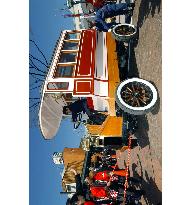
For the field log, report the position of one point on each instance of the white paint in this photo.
(100, 103)
(101, 70)
(101, 88)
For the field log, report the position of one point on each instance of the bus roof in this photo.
(50, 115)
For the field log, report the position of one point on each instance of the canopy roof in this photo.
(50, 115)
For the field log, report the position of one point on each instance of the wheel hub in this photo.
(136, 94)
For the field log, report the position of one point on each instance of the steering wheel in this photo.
(78, 122)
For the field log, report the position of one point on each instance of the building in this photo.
(72, 158)
(58, 158)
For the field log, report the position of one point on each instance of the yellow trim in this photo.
(112, 126)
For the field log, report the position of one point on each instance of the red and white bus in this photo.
(85, 64)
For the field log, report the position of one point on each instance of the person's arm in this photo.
(102, 25)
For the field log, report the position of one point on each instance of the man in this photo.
(81, 106)
(76, 108)
(110, 11)
(81, 194)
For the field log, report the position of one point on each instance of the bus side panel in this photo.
(86, 55)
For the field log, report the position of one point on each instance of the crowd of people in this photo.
(105, 183)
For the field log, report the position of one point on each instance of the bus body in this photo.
(84, 64)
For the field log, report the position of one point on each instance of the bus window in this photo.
(70, 45)
(68, 57)
(64, 71)
(58, 86)
(72, 35)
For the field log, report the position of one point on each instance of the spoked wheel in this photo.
(136, 96)
(124, 32)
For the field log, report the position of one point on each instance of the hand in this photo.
(109, 183)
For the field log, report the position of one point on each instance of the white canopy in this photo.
(50, 115)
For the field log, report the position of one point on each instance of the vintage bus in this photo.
(85, 64)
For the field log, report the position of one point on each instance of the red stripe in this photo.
(90, 103)
(86, 59)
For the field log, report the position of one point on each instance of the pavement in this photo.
(146, 159)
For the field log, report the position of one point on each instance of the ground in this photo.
(146, 159)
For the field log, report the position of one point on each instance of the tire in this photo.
(124, 32)
(136, 96)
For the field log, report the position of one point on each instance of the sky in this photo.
(46, 23)
(175, 56)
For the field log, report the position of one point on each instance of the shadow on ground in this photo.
(153, 196)
(142, 132)
(157, 105)
(133, 71)
(147, 7)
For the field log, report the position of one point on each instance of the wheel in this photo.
(136, 96)
(124, 32)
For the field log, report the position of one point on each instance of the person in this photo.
(96, 3)
(105, 177)
(110, 11)
(81, 106)
(80, 194)
(114, 190)
(76, 108)
(108, 160)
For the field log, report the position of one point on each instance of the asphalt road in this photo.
(146, 160)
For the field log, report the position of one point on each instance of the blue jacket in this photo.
(109, 11)
(76, 108)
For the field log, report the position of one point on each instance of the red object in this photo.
(72, 15)
(103, 176)
(90, 103)
(116, 167)
(96, 3)
(82, 87)
(98, 192)
(89, 203)
(121, 172)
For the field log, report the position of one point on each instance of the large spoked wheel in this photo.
(136, 96)
(124, 32)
